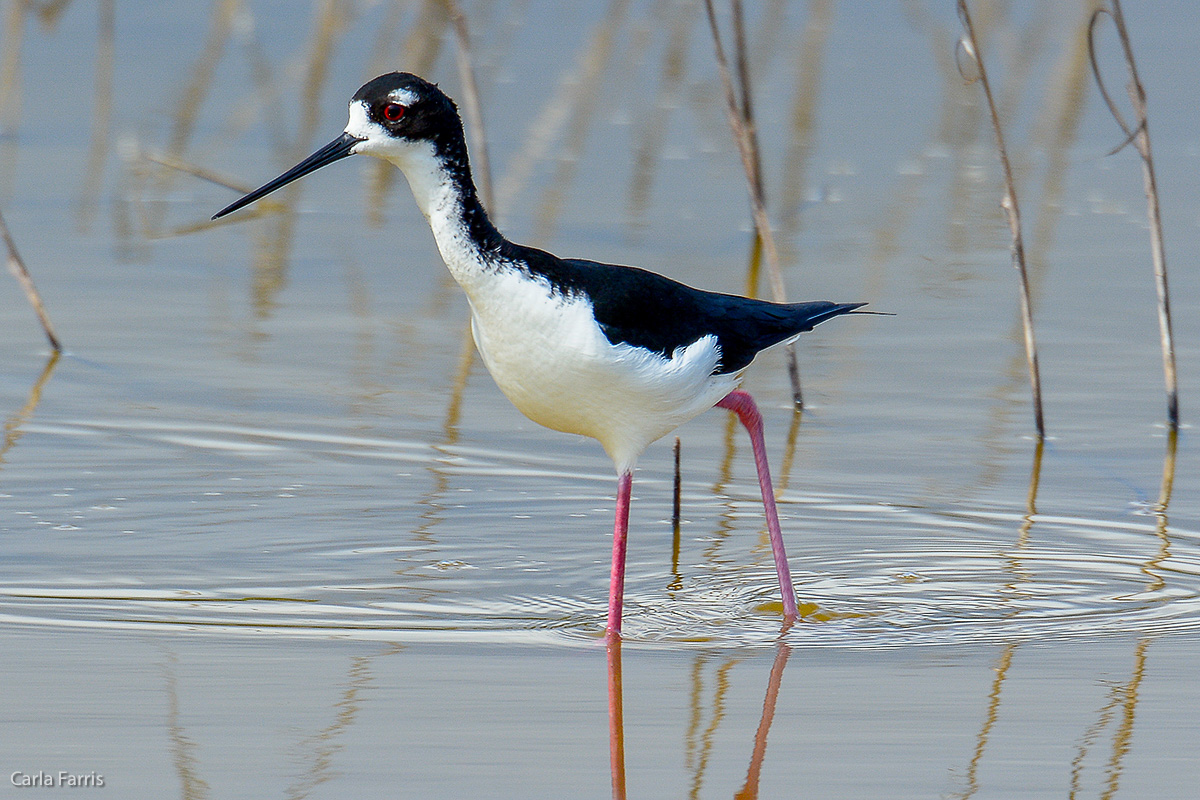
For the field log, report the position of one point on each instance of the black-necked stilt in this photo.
(616, 353)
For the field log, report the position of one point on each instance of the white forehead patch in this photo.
(404, 97)
(360, 125)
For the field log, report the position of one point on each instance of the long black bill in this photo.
(336, 150)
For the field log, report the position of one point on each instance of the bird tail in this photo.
(810, 315)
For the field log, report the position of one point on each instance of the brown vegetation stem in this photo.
(19, 271)
(472, 106)
(1140, 137)
(742, 123)
(1009, 204)
(677, 494)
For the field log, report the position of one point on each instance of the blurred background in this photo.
(267, 525)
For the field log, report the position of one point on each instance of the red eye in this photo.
(392, 112)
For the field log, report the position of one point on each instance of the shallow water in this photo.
(267, 526)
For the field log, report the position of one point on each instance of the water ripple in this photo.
(879, 575)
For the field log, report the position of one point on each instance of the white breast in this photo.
(546, 352)
(550, 358)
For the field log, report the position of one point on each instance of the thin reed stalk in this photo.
(101, 114)
(676, 495)
(970, 44)
(483, 180)
(1139, 136)
(17, 266)
(172, 162)
(741, 120)
(471, 105)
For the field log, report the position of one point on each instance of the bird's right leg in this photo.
(742, 404)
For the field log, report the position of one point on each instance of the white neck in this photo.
(431, 185)
(441, 201)
(438, 195)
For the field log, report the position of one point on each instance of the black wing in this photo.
(644, 309)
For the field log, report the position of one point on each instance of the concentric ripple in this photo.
(493, 547)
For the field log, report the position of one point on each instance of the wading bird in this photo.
(616, 353)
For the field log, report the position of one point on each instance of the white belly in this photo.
(551, 359)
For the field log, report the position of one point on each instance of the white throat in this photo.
(434, 189)
(431, 185)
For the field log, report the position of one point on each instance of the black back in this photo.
(644, 309)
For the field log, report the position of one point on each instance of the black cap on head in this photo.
(428, 111)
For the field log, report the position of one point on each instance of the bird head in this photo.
(399, 117)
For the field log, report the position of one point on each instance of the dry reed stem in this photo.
(17, 266)
(172, 162)
(1140, 138)
(587, 103)
(12, 36)
(101, 115)
(191, 101)
(677, 495)
(472, 106)
(647, 151)
(1012, 210)
(809, 62)
(742, 122)
(576, 88)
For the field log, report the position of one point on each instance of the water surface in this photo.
(268, 527)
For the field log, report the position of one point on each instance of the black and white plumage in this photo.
(616, 353)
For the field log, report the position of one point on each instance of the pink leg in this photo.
(742, 404)
(616, 580)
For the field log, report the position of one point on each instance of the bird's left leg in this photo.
(742, 404)
(616, 580)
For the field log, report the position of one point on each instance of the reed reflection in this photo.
(749, 790)
(989, 720)
(1021, 574)
(191, 101)
(581, 115)
(699, 742)
(1123, 698)
(321, 747)
(474, 125)
(13, 425)
(432, 499)
(318, 749)
(562, 111)
(186, 763)
(699, 737)
(810, 58)
(1122, 703)
(1013, 558)
(1162, 525)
